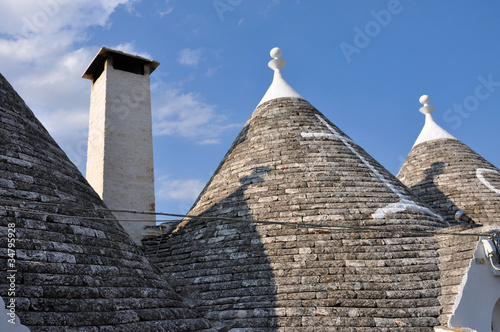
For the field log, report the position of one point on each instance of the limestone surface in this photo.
(346, 254)
(75, 267)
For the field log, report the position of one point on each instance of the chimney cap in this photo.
(96, 67)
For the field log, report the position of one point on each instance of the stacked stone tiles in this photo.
(291, 165)
(449, 176)
(73, 274)
(456, 250)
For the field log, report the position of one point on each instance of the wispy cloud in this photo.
(130, 48)
(39, 42)
(210, 141)
(271, 5)
(178, 189)
(186, 114)
(190, 57)
(27, 19)
(168, 9)
(211, 71)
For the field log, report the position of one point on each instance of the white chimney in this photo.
(120, 144)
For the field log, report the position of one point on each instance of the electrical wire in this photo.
(7, 206)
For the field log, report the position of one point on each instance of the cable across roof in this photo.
(7, 206)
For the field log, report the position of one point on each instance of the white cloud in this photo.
(60, 99)
(130, 49)
(70, 130)
(26, 19)
(167, 10)
(188, 115)
(183, 190)
(210, 141)
(39, 42)
(211, 71)
(189, 57)
(40, 57)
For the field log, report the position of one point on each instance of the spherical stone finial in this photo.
(427, 109)
(276, 53)
(424, 100)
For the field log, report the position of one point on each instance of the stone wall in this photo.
(456, 254)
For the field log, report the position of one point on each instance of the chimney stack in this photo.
(120, 144)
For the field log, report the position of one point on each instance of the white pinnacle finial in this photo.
(276, 53)
(431, 129)
(276, 63)
(279, 87)
(425, 100)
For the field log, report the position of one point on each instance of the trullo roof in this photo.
(75, 267)
(449, 176)
(300, 227)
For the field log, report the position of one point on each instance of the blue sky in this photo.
(364, 64)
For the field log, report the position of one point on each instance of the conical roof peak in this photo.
(281, 132)
(431, 129)
(294, 205)
(279, 87)
(75, 266)
(289, 170)
(449, 176)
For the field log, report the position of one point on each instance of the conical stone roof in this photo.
(291, 167)
(75, 268)
(449, 176)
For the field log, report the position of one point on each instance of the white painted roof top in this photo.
(279, 87)
(431, 129)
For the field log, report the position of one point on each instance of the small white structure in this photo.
(431, 129)
(478, 303)
(120, 143)
(279, 87)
